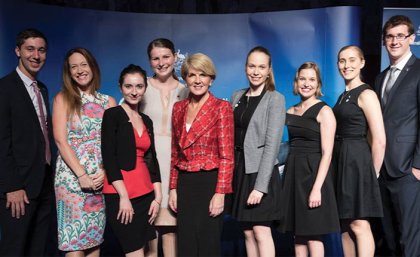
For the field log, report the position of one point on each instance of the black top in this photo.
(304, 130)
(243, 114)
(351, 120)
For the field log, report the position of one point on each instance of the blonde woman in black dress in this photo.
(308, 199)
(356, 163)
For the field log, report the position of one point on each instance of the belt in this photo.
(350, 137)
(239, 148)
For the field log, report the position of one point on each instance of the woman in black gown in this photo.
(309, 205)
(356, 163)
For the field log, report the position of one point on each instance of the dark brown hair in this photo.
(396, 21)
(28, 33)
(132, 69)
(162, 43)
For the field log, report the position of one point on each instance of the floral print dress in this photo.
(81, 214)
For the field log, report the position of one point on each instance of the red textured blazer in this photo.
(207, 145)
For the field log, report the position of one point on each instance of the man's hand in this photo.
(16, 202)
(416, 173)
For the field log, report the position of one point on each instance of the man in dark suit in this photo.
(399, 90)
(26, 191)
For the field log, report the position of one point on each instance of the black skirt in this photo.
(300, 174)
(136, 234)
(357, 188)
(198, 233)
(243, 184)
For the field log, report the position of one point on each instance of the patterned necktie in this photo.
(43, 122)
(391, 80)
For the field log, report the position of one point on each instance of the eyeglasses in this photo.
(399, 37)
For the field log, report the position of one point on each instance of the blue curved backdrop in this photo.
(117, 39)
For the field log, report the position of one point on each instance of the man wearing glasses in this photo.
(398, 87)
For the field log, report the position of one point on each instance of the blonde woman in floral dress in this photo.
(77, 118)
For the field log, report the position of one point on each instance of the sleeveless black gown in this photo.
(299, 176)
(357, 187)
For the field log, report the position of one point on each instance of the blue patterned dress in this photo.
(80, 214)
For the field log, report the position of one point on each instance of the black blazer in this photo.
(119, 145)
(402, 120)
(22, 144)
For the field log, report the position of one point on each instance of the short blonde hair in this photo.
(199, 62)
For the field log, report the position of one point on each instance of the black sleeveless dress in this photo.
(357, 187)
(299, 176)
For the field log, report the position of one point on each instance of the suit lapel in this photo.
(381, 82)
(400, 78)
(205, 119)
(179, 118)
(259, 113)
(26, 100)
(45, 98)
(237, 96)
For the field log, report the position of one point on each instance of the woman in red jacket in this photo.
(201, 161)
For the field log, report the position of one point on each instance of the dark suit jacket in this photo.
(119, 145)
(402, 120)
(22, 144)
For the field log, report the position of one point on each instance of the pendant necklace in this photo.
(343, 95)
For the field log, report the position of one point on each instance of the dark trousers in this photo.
(27, 236)
(401, 221)
(198, 233)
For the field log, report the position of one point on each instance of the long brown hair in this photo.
(270, 83)
(70, 91)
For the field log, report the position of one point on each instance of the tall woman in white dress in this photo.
(163, 91)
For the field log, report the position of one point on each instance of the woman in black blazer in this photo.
(132, 186)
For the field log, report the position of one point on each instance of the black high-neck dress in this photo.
(357, 187)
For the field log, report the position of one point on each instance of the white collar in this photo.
(401, 64)
(26, 80)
